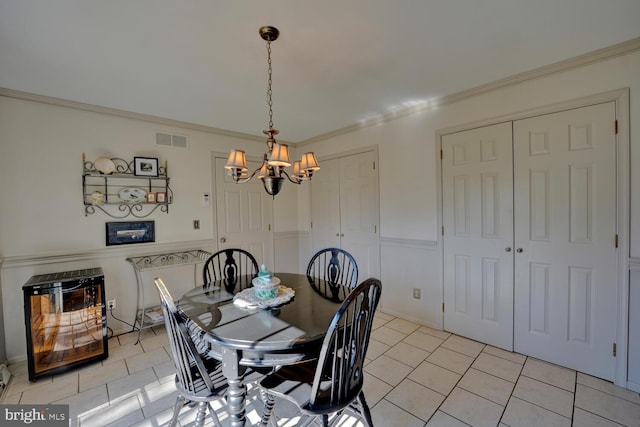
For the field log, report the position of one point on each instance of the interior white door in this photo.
(244, 214)
(359, 212)
(565, 261)
(477, 191)
(345, 209)
(325, 206)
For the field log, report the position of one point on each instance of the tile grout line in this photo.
(575, 393)
(607, 393)
(456, 385)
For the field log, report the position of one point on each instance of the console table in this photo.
(150, 315)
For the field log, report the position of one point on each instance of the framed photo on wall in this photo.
(161, 197)
(124, 233)
(145, 166)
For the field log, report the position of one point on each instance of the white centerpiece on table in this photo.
(266, 284)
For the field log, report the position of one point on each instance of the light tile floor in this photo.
(416, 376)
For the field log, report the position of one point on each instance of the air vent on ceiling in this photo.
(167, 140)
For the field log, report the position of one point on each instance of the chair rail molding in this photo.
(408, 243)
(92, 254)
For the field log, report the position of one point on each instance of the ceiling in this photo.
(337, 63)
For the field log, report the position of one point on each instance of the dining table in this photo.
(230, 323)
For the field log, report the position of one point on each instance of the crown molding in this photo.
(599, 55)
(26, 96)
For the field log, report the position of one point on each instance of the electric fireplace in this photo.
(65, 317)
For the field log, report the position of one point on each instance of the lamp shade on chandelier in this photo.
(272, 171)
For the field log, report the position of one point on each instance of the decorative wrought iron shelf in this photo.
(146, 315)
(103, 192)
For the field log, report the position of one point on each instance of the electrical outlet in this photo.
(196, 224)
(416, 293)
(111, 304)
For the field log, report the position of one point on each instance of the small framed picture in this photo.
(151, 197)
(145, 166)
(161, 197)
(123, 233)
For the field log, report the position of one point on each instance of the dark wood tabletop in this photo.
(272, 336)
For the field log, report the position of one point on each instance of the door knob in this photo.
(341, 234)
(519, 250)
(507, 249)
(223, 239)
(337, 234)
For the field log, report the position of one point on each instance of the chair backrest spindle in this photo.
(334, 265)
(339, 374)
(228, 265)
(190, 368)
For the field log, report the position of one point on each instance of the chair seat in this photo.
(294, 383)
(200, 391)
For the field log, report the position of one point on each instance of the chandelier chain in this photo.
(272, 172)
(269, 92)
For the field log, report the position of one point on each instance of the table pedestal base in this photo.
(237, 392)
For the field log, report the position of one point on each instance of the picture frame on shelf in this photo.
(128, 232)
(151, 197)
(161, 197)
(145, 166)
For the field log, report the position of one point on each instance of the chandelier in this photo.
(272, 170)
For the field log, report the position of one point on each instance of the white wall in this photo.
(42, 220)
(42, 213)
(408, 181)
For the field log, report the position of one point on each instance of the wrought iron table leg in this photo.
(237, 392)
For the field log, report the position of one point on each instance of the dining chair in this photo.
(333, 382)
(334, 265)
(198, 377)
(228, 265)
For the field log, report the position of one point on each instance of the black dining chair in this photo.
(198, 377)
(334, 265)
(228, 265)
(333, 382)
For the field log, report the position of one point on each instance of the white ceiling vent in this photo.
(167, 140)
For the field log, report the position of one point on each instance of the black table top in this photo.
(296, 326)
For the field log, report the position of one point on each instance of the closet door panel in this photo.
(345, 209)
(359, 212)
(325, 206)
(478, 222)
(565, 210)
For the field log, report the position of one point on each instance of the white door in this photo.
(325, 206)
(477, 183)
(244, 214)
(359, 212)
(345, 209)
(565, 260)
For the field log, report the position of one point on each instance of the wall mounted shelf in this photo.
(119, 192)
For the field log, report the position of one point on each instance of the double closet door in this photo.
(529, 244)
(344, 209)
